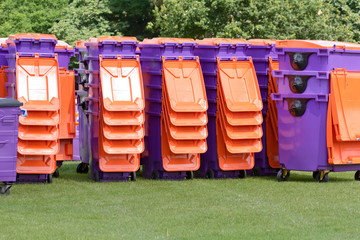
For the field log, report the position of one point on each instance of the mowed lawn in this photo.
(74, 207)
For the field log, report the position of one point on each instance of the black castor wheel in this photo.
(210, 174)
(257, 172)
(190, 175)
(324, 178)
(49, 178)
(133, 176)
(242, 174)
(56, 174)
(315, 173)
(5, 189)
(96, 176)
(357, 175)
(155, 175)
(283, 175)
(82, 168)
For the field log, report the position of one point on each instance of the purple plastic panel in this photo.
(32, 178)
(64, 56)
(313, 59)
(9, 123)
(3, 53)
(108, 48)
(306, 82)
(258, 52)
(25, 45)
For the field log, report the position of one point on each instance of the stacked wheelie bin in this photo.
(235, 107)
(175, 110)
(115, 106)
(318, 107)
(264, 58)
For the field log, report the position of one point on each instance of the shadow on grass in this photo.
(300, 177)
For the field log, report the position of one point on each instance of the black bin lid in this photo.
(9, 102)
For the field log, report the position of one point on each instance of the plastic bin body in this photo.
(9, 123)
(3, 52)
(64, 53)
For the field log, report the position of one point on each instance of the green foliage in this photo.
(83, 19)
(29, 16)
(281, 19)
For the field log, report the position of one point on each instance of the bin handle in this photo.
(24, 112)
(4, 142)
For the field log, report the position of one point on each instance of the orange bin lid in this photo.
(239, 86)
(40, 118)
(27, 132)
(121, 84)
(80, 44)
(217, 41)
(239, 118)
(35, 164)
(261, 42)
(63, 45)
(240, 132)
(340, 152)
(37, 81)
(163, 40)
(123, 118)
(3, 80)
(176, 162)
(26, 147)
(183, 118)
(273, 65)
(36, 36)
(124, 146)
(118, 39)
(240, 145)
(119, 163)
(345, 94)
(272, 144)
(316, 44)
(184, 146)
(184, 132)
(229, 161)
(185, 86)
(123, 132)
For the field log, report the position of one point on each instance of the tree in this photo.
(29, 16)
(83, 19)
(279, 19)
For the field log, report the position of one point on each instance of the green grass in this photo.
(74, 207)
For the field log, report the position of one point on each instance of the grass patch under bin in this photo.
(74, 207)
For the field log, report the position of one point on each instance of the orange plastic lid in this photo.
(272, 144)
(36, 36)
(163, 40)
(63, 45)
(121, 84)
(123, 146)
(176, 162)
(239, 86)
(184, 132)
(39, 164)
(240, 132)
(185, 86)
(48, 118)
(27, 132)
(123, 132)
(37, 82)
(26, 147)
(184, 146)
(345, 89)
(217, 41)
(239, 118)
(184, 118)
(119, 163)
(80, 44)
(112, 38)
(262, 42)
(229, 161)
(316, 44)
(123, 118)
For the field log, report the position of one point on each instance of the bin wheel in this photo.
(5, 189)
(210, 174)
(49, 178)
(190, 175)
(242, 174)
(325, 177)
(155, 175)
(96, 176)
(257, 172)
(56, 174)
(357, 175)
(82, 168)
(283, 175)
(315, 173)
(133, 176)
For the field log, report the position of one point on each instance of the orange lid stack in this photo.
(183, 117)
(121, 131)
(239, 117)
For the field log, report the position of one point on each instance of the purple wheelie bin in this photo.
(260, 50)
(302, 103)
(208, 51)
(151, 53)
(9, 124)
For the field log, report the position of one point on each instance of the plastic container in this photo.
(27, 44)
(64, 53)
